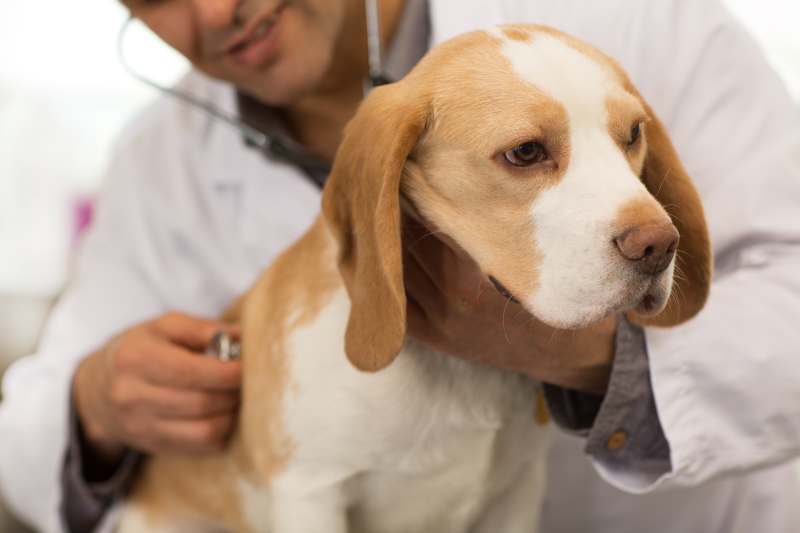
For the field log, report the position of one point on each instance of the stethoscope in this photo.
(283, 148)
(222, 346)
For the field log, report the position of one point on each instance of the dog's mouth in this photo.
(651, 303)
(648, 305)
(503, 291)
(644, 299)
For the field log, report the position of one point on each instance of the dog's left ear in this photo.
(361, 206)
(667, 180)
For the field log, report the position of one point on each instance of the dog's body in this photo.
(431, 443)
(522, 145)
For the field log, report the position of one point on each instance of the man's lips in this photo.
(254, 30)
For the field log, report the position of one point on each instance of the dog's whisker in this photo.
(413, 244)
(678, 273)
(481, 288)
(667, 207)
(678, 291)
(673, 298)
(679, 219)
(504, 321)
(669, 303)
(428, 232)
(663, 180)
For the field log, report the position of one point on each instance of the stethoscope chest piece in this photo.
(223, 347)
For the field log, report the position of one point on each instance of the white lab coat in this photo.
(189, 216)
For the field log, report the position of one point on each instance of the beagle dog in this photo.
(536, 154)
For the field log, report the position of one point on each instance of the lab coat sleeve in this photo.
(726, 383)
(86, 499)
(108, 292)
(627, 408)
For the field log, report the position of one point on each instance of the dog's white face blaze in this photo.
(574, 274)
(574, 221)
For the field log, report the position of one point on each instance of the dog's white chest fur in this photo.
(425, 444)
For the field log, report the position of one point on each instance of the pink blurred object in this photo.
(82, 211)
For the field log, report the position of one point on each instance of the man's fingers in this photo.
(423, 227)
(446, 263)
(184, 405)
(420, 327)
(419, 286)
(455, 281)
(185, 437)
(189, 331)
(135, 396)
(168, 365)
(426, 253)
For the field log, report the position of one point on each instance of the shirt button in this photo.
(617, 440)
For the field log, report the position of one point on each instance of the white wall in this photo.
(776, 26)
(63, 98)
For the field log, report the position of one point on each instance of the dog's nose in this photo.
(649, 246)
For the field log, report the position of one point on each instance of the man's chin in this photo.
(277, 89)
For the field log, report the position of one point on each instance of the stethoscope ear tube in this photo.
(282, 148)
(253, 135)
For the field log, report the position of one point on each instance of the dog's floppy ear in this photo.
(667, 180)
(361, 205)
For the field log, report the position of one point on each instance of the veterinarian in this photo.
(192, 212)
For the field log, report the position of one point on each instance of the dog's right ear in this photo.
(667, 180)
(361, 206)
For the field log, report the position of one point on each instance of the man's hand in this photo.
(149, 390)
(454, 309)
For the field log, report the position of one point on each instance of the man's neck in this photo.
(317, 120)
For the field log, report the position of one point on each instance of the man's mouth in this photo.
(256, 32)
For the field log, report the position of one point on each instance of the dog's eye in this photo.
(526, 154)
(636, 131)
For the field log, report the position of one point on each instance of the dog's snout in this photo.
(650, 246)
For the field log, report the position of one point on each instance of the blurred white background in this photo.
(63, 99)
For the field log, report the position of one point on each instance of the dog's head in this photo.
(534, 152)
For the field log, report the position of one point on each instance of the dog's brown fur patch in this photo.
(291, 294)
(517, 33)
(194, 490)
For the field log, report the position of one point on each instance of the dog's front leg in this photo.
(518, 509)
(519, 474)
(296, 510)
